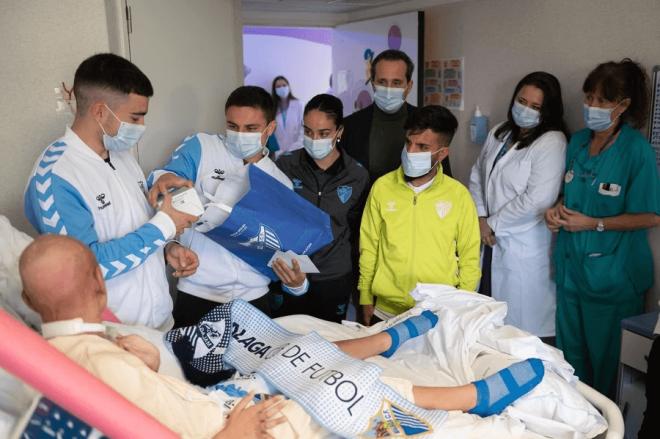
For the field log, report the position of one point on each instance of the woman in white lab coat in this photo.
(289, 117)
(518, 176)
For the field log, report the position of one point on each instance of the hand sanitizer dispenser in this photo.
(478, 127)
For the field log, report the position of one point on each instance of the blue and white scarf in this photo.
(341, 393)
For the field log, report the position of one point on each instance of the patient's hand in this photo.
(252, 422)
(141, 348)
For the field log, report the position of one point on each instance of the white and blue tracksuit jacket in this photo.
(221, 276)
(73, 191)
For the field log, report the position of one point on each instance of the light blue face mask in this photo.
(525, 117)
(282, 92)
(416, 164)
(127, 135)
(243, 145)
(318, 148)
(598, 119)
(389, 99)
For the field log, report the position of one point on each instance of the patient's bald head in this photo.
(62, 280)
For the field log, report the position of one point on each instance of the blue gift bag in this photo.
(272, 217)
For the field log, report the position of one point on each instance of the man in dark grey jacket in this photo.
(374, 136)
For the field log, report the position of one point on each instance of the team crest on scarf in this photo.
(393, 421)
(208, 337)
(443, 208)
(204, 344)
(344, 193)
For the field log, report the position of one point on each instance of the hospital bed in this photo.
(469, 342)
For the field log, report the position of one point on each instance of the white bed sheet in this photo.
(470, 342)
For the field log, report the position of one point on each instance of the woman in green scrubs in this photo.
(611, 196)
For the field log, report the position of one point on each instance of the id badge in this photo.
(609, 189)
(569, 176)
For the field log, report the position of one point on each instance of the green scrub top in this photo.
(622, 179)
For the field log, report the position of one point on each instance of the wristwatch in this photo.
(600, 226)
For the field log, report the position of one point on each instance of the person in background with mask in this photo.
(88, 185)
(204, 160)
(374, 135)
(288, 115)
(515, 179)
(418, 225)
(326, 176)
(611, 196)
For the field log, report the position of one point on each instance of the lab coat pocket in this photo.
(518, 174)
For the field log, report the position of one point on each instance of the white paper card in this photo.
(306, 264)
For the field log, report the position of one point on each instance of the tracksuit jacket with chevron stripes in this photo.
(221, 276)
(73, 191)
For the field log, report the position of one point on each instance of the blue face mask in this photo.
(416, 164)
(127, 135)
(596, 118)
(390, 100)
(282, 92)
(243, 145)
(318, 148)
(525, 117)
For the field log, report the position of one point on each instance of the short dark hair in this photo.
(393, 55)
(108, 72)
(328, 104)
(276, 98)
(552, 110)
(252, 96)
(432, 117)
(619, 80)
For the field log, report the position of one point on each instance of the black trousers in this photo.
(189, 309)
(485, 287)
(326, 300)
(651, 423)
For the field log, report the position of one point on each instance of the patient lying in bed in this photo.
(62, 282)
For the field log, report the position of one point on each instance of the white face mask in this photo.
(416, 164)
(282, 91)
(597, 118)
(524, 116)
(127, 135)
(243, 145)
(388, 99)
(318, 148)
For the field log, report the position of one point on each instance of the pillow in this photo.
(13, 244)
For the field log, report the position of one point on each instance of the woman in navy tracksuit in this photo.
(326, 176)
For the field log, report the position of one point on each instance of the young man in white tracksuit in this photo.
(88, 185)
(206, 160)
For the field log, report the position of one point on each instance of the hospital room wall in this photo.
(41, 46)
(502, 40)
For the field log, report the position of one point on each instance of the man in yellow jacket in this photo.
(418, 225)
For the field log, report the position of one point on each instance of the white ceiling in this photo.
(314, 6)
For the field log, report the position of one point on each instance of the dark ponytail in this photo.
(328, 104)
(620, 80)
